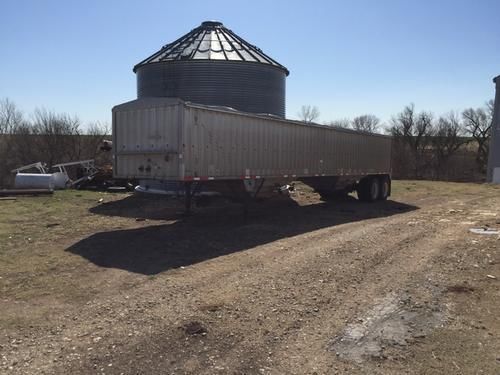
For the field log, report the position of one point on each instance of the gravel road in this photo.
(298, 287)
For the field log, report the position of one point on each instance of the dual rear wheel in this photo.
(372, 188)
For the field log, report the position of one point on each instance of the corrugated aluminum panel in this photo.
(220, 144)
(245, 86)
(494, 151)
(211, 41)
(214, 66)
(146, 136)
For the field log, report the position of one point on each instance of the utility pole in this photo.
(493, 171)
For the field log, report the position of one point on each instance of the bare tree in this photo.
(22, 145)
(308, 113)
(490, 106)
(340, 123)
(413, 133)
(92, 141)
(48, 137)
(477, 123)
(10, 116)
(57, 136)
(447, 140)
(11, 121)
(366, 123)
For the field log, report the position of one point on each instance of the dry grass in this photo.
(34, 229)
(71, 263)
(31, 232)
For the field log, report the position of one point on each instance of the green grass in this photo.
(34, 233)
(28, 219)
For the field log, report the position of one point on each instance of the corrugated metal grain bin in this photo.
(214, 66)
(168, 139)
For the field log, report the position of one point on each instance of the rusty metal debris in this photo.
(38, 176)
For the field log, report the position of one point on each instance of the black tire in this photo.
(368, 189)
(385, 188)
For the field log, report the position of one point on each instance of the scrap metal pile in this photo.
(37, 175)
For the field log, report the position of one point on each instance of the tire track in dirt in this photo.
(293, 264)
(428, 238)
(340, 271)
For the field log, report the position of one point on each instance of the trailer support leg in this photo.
(258, 189)
(248, 197)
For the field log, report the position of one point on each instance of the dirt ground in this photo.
(120, 284)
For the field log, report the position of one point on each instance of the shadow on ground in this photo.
(211, 233)
(143, 206)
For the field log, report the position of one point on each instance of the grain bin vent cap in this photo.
(211, 41)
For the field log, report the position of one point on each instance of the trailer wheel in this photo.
(368, 189)
(385, 188)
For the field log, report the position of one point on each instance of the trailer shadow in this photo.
(141, 206)
(153, 249)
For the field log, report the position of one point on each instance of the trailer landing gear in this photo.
(190, 190)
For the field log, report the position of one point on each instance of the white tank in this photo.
(60, 180)
(41, 181)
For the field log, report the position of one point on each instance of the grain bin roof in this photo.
(211, 41)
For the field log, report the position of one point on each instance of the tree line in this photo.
(367, 123)
(44, 136)
(424, 144)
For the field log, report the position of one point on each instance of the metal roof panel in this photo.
(211, 41)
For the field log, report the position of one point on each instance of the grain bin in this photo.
(212, 65)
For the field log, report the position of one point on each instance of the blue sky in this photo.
(346, 57)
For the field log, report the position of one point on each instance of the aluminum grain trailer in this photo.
(240, 153)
